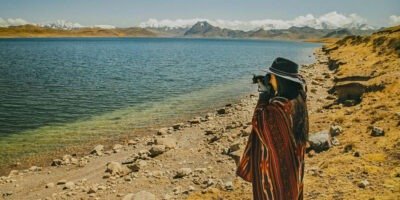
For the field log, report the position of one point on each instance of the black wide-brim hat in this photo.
(286, 69)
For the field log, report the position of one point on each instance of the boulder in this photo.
(116, 168)
(157, 150)
(320, 141)
(169, 143)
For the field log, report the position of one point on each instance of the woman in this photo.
(274, 156)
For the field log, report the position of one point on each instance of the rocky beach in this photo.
(353, 153)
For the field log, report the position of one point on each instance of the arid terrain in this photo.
(354, 153)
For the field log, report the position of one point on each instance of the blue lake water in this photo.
(59, 92)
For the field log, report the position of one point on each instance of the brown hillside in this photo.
(36, 31)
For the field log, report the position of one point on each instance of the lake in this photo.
(57, 93)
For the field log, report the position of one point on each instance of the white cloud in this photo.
(12, 22)
(394, 20)
(328, 20)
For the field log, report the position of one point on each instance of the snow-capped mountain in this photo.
(62, 24)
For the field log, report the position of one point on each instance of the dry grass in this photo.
(36, 31)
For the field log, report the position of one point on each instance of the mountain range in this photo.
(201, 29)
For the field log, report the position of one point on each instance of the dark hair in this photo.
(295, 93)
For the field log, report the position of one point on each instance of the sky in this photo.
(127, 13)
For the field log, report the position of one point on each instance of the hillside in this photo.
(199, 30)
(36, 31)
(204, 29)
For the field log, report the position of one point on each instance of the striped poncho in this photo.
(273, 159)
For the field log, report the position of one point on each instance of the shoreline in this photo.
(44, 159)
(229, 124)
(353, 144)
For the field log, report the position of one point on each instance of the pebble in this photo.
(182, 172)
(69, 185)
(335, 130)
(50, 185)
(377, 132)
(116, 168)
(98, 150)
(157, 150)
(363, 184)
(228, 185)
(117, 148)
(221, 111)
(320, 141)
(162, 131)
(169, 143)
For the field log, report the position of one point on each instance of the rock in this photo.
(330, 97)
(69, 185)
(335, 130)
(142, 195)
(98, 150)
(228, 185)
(377, 132)
(50, 185)
(236, 156)
(117, 148)
(356, 154)
(169, 143)
(162, 131)
(214, 138)
(182, 172)
(35, 169)
(157, 150)
(135, 167)
(246, 132)
(61, 182)
(196, 120)
(348, 148)
(211, 131)
(311, 153)
(235, 146)
(131, 142)
(116, 168)
(221, 111)
(13, 173)
(209, 116)
(67, 159)
(363, 184)
(92, 190)
(178, 126)
(320, 141)
(209, 182)
(335, 141)
(177, 190)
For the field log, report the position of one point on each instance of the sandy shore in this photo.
(204, 148)
(196, 159)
